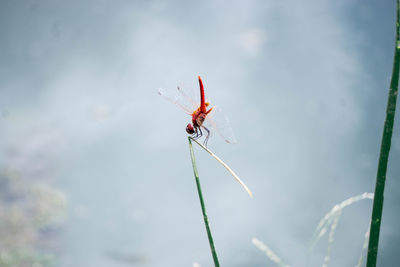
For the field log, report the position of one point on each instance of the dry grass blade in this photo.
(226, 167)
(329, 217)
(270, 254)
(365, 245)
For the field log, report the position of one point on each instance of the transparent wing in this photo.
(191, 94)
(180, 98)
(183, 96)
(218, 121)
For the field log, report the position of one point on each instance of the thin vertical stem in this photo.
(384, 154)
(203, 208)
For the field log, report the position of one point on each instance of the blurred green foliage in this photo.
(31, 214)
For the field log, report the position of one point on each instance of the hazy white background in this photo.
(304, 84)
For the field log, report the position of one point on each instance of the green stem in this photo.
(384, 154)
(203, 208)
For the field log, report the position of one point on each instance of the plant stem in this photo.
(384, 153)
(203, 208)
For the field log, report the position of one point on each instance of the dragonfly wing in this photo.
(192, 94)
(179, 98)
(218, 121)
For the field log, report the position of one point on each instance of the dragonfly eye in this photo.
(189, 129)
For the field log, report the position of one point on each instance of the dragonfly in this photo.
(203, 117)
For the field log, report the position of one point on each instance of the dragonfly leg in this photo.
(208, 135)
(199, 133)
(195, 134)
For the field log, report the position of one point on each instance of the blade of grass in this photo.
(270, 254)
(226, 167)
(331, 238)
(384, 153)
(203, 208)
(364, 247)
(323, 225)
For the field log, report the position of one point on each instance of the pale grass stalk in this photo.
(270, 254)
(328, 218)
(226, 167)
(331, 219)
(331, 238)
(365, 245)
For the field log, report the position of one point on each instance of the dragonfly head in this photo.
(190, 129)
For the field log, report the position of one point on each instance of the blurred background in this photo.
(95, 167)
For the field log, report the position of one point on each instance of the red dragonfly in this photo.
(203, 117)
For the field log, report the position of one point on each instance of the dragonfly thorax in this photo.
(200, 119)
